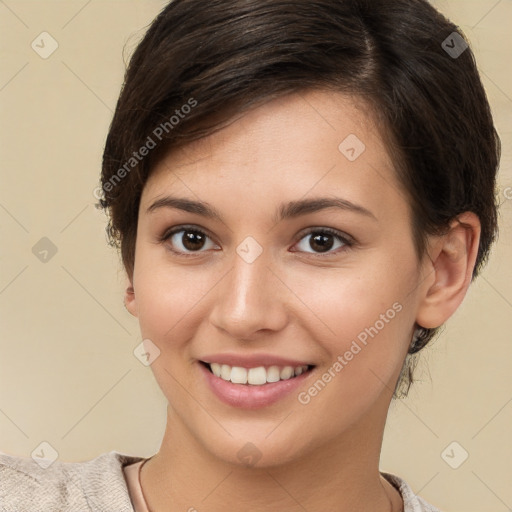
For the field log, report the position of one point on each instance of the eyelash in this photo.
(348, 242)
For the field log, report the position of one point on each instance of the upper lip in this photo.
(252, 361)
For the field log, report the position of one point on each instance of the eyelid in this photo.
(344, 237)
(183, 227)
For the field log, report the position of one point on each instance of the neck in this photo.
(342, 474)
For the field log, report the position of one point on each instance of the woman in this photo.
(302, 193)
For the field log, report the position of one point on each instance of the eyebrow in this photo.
(291, 210)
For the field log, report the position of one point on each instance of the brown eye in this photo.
(183, 240)
(323, 240)
(192, 240)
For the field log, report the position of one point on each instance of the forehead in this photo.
(278, 124)
(313, 142)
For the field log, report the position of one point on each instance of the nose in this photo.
(250, 300)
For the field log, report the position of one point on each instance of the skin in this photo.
(294, 301)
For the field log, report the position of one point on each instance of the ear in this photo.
(129, 298)
(452, 260)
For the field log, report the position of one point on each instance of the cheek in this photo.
(363, 318)
(166, 300)
(349, 301)
(364, 356)
(169, 302)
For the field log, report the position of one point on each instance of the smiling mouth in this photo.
(257, 376)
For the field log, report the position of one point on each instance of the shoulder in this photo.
(412, 502)
(93, 485)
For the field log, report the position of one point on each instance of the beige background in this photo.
(68, 375)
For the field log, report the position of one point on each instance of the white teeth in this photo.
(238, 375)
(215, 369)
(300, 369)
(286, 373)
(255, 376)
(273, 374)
(225, 372)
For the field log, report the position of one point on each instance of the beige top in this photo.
(110, 483)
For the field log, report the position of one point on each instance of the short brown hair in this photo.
(223, 57)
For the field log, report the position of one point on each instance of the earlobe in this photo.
(129, 299)
(452, 260)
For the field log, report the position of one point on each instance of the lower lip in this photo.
(248, 396)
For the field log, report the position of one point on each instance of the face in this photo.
(308, 265)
